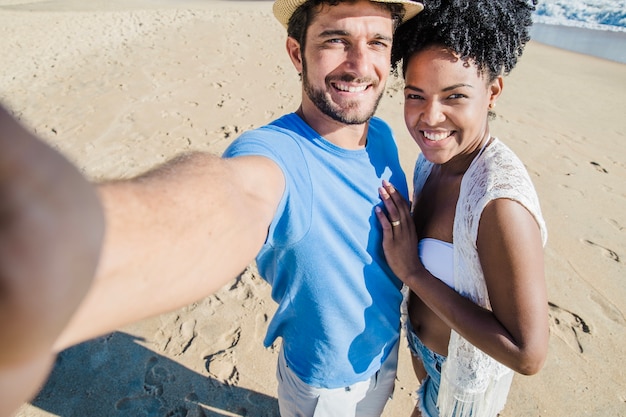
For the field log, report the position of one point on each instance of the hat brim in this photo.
(283, 9)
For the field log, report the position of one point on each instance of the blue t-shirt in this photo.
(338, 301)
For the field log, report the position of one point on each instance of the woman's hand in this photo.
(399, 235)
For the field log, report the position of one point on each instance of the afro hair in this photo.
(492, 33)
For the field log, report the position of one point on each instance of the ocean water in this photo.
(592, 27)
(605, 44)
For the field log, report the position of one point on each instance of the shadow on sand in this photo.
(116, 376)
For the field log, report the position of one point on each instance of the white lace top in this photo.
(472, 383)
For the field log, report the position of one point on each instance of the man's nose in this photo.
(358, 59)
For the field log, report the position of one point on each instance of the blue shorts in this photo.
(429, 389)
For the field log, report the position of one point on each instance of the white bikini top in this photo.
(437, 257)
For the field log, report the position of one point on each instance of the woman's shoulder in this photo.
(498, 164)
(500, 153)
(499, 173)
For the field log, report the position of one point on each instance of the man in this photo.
(299, 194)
(51, 228)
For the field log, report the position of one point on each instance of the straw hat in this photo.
(283, 9)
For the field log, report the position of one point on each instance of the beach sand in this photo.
(120, 86)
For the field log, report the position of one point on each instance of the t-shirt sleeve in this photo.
(274, 143)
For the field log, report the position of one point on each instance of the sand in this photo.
(120, 86)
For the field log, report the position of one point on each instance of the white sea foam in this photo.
(591, 14)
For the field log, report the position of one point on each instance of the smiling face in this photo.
(446, 106)
(345, 62)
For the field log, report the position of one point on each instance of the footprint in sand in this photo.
(568, 326)
(181, 340)
(155, 377)
(183, 411)
(609, 309)
(615, 224)
(599, 167)
(131, 406)
(150, 400)
(222, 365)
(177, 412)
(568, 188)
(609, 253)
(613, 191)
(230, 131)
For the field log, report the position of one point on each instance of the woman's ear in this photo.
(295, 53)
(495, 89)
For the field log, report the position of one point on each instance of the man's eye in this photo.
(380, 44)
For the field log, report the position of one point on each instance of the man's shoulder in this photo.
(378, 123)
(287, 125)
(275, 139)
(380, 128)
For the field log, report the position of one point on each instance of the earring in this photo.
(492, 105)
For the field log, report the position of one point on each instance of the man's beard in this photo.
(350, 114)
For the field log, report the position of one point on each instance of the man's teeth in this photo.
(436, 136)
(350, 88)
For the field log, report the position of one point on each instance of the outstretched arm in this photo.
(51, 229)
(509, 244)
(174, 236)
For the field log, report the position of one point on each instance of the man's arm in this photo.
(51, 229)
(174, 236)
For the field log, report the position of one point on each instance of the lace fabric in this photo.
(472, 383)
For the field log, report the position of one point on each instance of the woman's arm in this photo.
(509, 243)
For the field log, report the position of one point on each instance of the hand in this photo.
(399, 235)
(51, 230)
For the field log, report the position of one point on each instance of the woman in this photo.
(477, 307)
